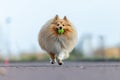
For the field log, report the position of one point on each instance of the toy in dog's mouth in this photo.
(60, 31)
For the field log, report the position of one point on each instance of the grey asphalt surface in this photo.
(68, 71)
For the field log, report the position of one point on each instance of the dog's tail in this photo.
(66, 55)
(63, 55)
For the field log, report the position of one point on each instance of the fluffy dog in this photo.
(58, 37)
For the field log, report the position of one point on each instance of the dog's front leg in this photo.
(60, 58)
(53, 58)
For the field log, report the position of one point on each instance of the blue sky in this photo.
(97, 17)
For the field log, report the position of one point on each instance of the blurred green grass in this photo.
(74, 56)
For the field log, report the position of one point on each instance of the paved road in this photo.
(68, 71)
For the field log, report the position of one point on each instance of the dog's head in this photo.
(61, 24)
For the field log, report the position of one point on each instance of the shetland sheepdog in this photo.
(58, 44)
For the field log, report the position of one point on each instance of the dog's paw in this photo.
(52, 62)
(60, 62)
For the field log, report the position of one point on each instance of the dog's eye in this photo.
(63, 25)
(57, 24)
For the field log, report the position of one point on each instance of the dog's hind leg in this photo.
(53, 58)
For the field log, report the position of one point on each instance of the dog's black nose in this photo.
(60, 27)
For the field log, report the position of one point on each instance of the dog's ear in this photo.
(56, 17)
(65, 18)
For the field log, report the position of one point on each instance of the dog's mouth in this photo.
(60, 30)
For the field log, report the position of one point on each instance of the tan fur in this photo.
(55, 43)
